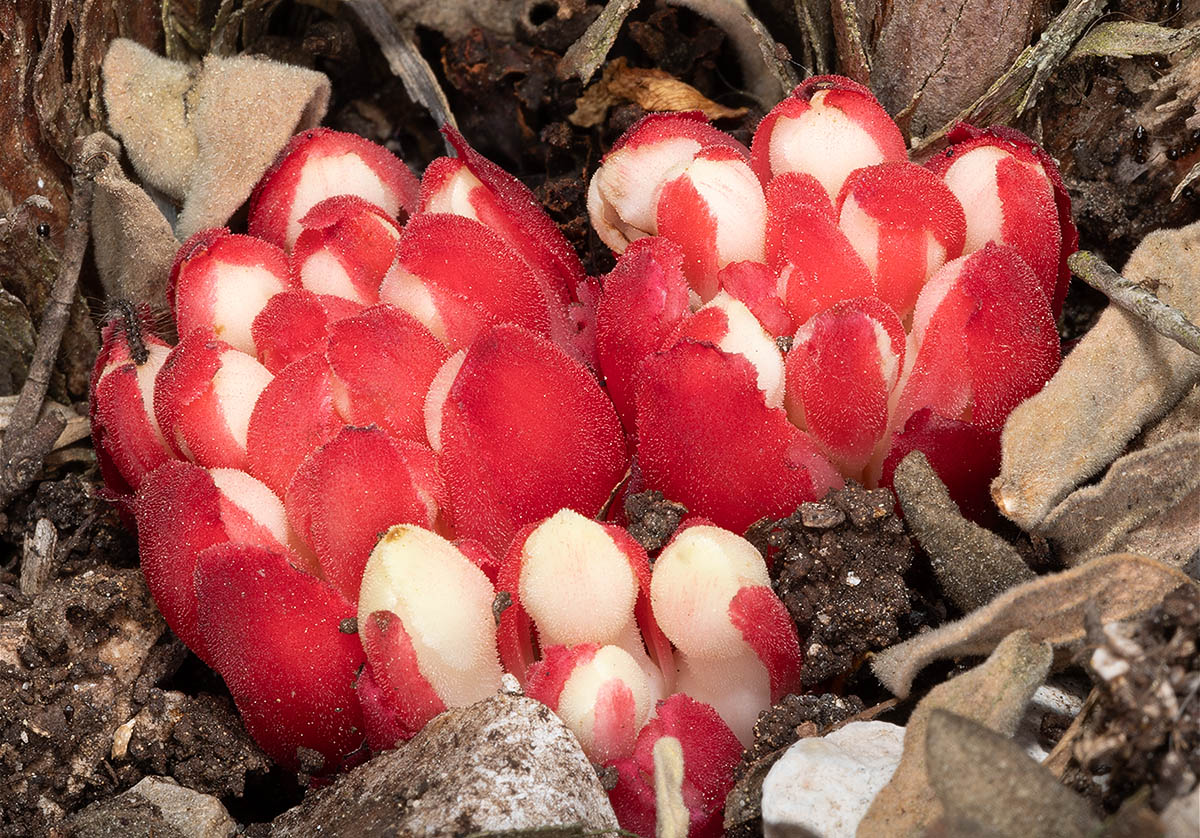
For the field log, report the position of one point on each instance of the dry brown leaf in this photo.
(1052, 608)
(1119, 378)
(988, 785)
(1148, 503)
(131, 238)
(652, 90)
(972, 564)
(993, 694)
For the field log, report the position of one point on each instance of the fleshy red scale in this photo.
(319, 164)
(383, 362)
(769, 630)
(786, 193)
(352, 489)
(273, 633)
(690, 400)
(345, 249)
(710, 753)
(394, 667)
(756, 285)
(548, 676)
(525, 431)
(817, 265)
(645, 297)
(296, 323)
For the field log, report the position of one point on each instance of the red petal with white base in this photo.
(729, 325)
(710, 753)
(645, 297)
(827, 127)
(841, 371)
(688, 399)
(319, 164)
(125, 434)
(383, 362)
(352, 489)
(273, 633)
(220, 282)
(465, 259)
(817, 265)
(181, 510)
(785, 194)
(905, 224)
(769, 630)
(756, 286)
(294, 416)
(345, 249)
(1013, 194)
(393, 665)
(203, 397)
(524, 430)
(295, 324)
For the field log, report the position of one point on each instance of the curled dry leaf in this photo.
(988, 785)
(972, 564)
(993, 694)
(1127, 38)
(652, 90)
(132, 240)
(205, 135)
(1052, 608)
(1119, 378)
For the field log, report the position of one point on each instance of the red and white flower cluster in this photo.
(367, 429)
(919, 301)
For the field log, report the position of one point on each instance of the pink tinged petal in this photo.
(623, 193)
(698, 591)
(905, 224)
(714, 208)
(319, 164)
(183, 509)
(506, 205)
(841, 370)
(350, 490)
(423, 599)
(818, 266)
(203, 397)
(579, 581)
(125, 434)
(966, 457)
(381, 720)
(730, 326)
(710, 753)
(827, 127)
(466, 260)
(1013, 194)
(345, 249)
(294, 415)
(600, 693)
(644, 299)
(522, 431)
(220, 282)
(786, 193)
(756, 286)
(480, 556)
(690, 399)
(383, 362)
(295, 324)
(273, 634)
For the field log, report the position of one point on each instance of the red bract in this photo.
(320, 164)
(353, 488)
(710, 753)
(125, 434)
(183, 509)
(688, 400)
(203, 397)
(296, 323)
(521, 430)
(828, 127)
(345, 249)
(220, 282)
(274, 634)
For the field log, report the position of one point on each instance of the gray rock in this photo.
(504, 763)
(823, 785)
(154, 808)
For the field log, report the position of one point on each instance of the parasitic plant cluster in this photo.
(373, 474)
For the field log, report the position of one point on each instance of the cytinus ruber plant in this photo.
(370, 477)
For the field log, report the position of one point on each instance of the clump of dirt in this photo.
(839, 568)
(653, 519)
(1145, 729)
(797, 717)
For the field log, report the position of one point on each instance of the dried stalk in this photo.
(1166, 320)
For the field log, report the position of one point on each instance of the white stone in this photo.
(1064, 696)
(825, 784)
